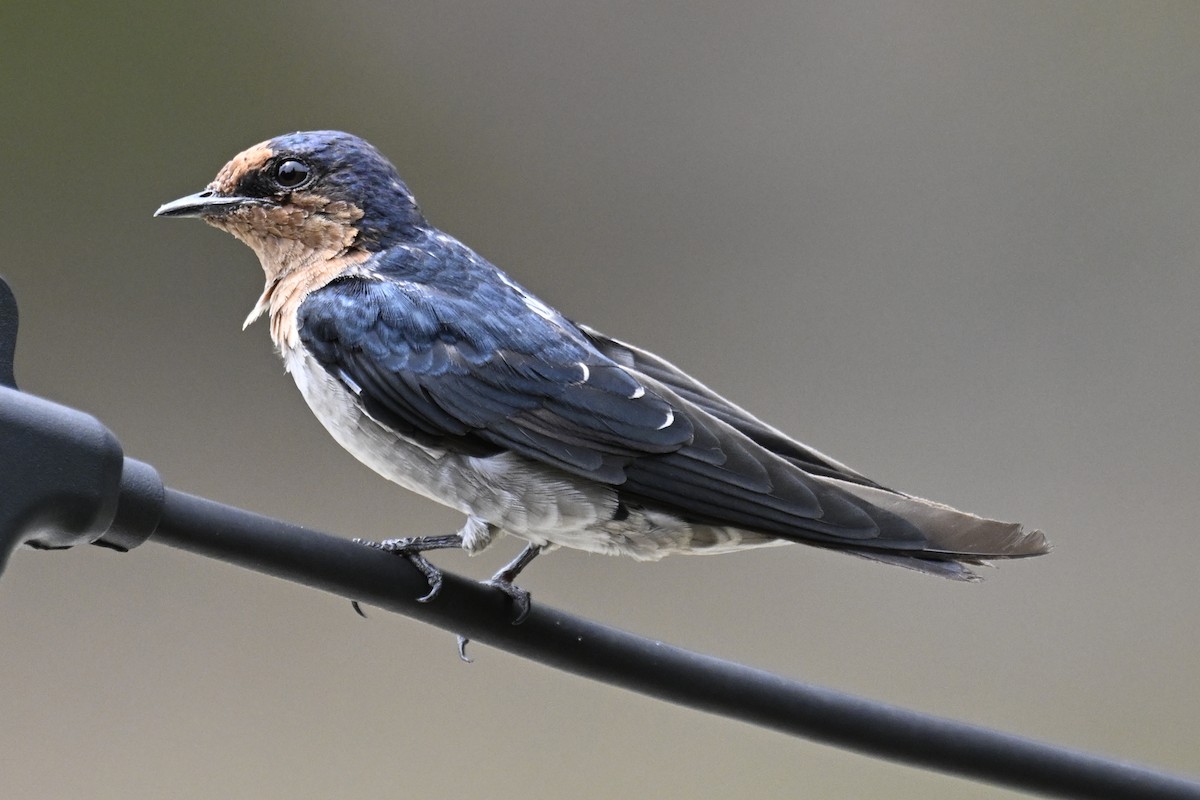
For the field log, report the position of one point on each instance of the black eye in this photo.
(291, 173)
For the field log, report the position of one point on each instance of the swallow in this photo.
(441, 373)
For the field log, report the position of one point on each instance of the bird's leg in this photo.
(503, 580)
(411, 547)
(475, 535)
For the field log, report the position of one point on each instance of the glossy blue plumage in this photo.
(443, 374)
(478, 369)
(442, 347)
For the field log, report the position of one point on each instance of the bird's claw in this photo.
(432, 574)
(410, 548)
(520, 597)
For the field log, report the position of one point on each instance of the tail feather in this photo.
(953, 538)
(952, 570)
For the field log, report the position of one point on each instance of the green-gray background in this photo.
(953, 244)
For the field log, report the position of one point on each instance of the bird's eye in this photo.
(291, 173)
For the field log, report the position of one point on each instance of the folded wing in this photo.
(525, 380)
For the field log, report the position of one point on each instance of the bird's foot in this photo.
(412, 547)
(521, 600)
(520, 597)
(503, 580)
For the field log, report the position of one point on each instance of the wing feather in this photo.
(519, 378)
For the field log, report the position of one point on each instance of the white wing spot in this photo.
(587, 373)
(350, 383)
(640, 391)
(538, 307)
(532, 303)
(670, 419)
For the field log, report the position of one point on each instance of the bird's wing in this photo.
(947, 533)
(522, 378)
(646, 363)
(431, 367)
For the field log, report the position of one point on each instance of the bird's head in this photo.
(306, 197)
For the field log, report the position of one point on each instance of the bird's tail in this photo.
(954, 538)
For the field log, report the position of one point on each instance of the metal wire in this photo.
(651, 667)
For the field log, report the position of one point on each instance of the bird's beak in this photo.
(201, 204)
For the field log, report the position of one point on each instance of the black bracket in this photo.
(64, 479)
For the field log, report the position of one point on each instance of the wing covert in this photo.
(427, 365)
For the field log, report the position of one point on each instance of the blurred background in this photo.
(951, 244)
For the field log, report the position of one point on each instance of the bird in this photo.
(444, 375)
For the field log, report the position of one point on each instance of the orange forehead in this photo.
(244, 162)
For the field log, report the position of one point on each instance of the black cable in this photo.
(651, 667)
(64, 481)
